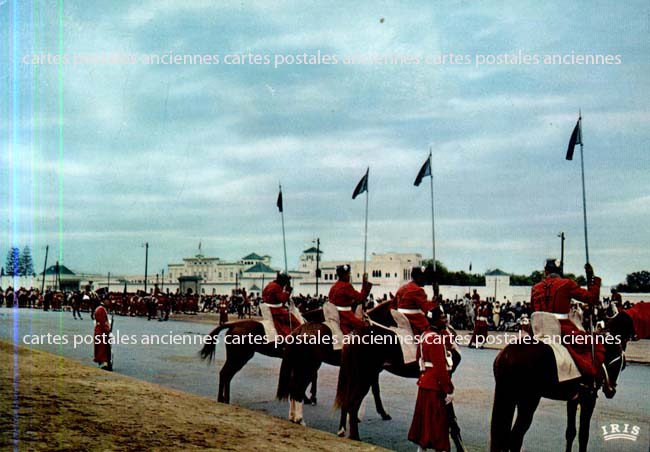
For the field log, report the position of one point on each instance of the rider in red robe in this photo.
(343, 296)
(412, 301)
(102, 330)
(275, 296)
(554, 295)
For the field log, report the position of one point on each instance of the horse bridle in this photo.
(622, 358)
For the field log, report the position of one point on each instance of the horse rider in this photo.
(275, 295)
(412, 301)
(554, 295)
(344, 296)
(430, 425)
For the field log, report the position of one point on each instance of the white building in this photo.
(387, 272)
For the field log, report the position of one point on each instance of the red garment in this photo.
(102, 329)
(343, 295)
(412, 296)
(480, 326)
(284, 321)
(554, 294)
(640, 315)
(430, 427)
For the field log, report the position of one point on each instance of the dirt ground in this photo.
(59, 404)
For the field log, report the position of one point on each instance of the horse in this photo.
(240, 351)
(363, 360)
(302, 359)
(524, 373)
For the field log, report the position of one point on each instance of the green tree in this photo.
(12, 261)
(636, 282)
(25, 263)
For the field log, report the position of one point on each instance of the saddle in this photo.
(546, 328)
(267, 322)
(404, 330)
(333, 322)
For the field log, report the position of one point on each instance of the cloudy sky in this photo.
(97, 158)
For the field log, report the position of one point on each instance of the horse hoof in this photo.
(313, 401)
(300, 422)
(341, 433)
(386, 417)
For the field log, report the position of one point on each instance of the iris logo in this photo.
(618, 431)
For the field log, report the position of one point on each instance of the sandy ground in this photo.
(58, 404)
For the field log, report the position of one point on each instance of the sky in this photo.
(97, 158)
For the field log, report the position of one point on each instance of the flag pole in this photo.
(584, 198)
(433, 228)
(284, 239)
(365, 240)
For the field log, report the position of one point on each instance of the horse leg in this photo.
(314, 387)
(378, 404)
(232, 365)
(299, 416)
(525, 411)
(342, 422)
(292, 410)
(587, 405)
(353, 415)
(571, 408)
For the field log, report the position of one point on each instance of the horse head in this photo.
(613, 365)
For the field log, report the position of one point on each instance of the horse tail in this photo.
(503, 409)
(286, 373)
(344, 386)
(208, 350)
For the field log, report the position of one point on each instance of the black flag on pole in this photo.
(576, 138)
(279, 203)
(361, 186)
(424, 172)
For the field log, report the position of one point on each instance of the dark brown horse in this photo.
(524, 373)
(376, 348)
(243, 339)
(303, 358)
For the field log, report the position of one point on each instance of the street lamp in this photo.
(146, 264)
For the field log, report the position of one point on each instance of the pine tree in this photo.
(12, 262)
(25, 263)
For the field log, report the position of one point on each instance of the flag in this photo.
(279, 203)
(361, 186)
(424, 171)
(576, 138)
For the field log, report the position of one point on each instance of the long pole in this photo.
(284, 239)
(365, 240)
(584, 214)
(433, 228)
(561, 236)
(109, 281)
(317, 264)
(584, 197)
(162, 281)
(146, 264)
(47, 249)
